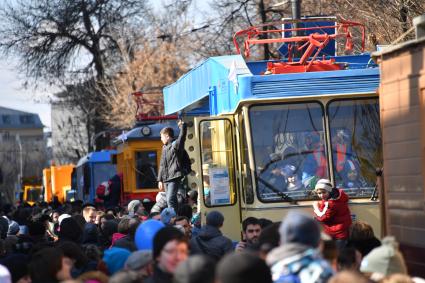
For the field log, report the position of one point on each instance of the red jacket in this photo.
(335, 216)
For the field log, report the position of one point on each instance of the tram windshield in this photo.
(146, 168)
(33, 194)
(289, 149)
(356, 144)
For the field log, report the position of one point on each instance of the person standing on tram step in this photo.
(333, 211)
(170, 167)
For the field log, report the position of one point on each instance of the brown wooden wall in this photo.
(402, 102)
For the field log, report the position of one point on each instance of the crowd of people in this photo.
(78, 243)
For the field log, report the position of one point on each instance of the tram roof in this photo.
(154, 132)
(96, 157)
(219, 84)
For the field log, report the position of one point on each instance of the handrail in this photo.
(342, 27)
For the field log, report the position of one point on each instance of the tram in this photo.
(90, 171)
(138, 156)
(264, 132)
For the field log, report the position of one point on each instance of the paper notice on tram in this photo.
(219, 186)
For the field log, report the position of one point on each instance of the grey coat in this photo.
(169, 166)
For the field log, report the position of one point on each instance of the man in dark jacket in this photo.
(170, 168)
(210, 240)
(113, 198)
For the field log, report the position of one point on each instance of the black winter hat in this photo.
(243, 267)
(163, 236)
(70, 230)
(215, 219)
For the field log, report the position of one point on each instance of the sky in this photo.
(13, 95)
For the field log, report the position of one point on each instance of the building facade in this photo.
(23, 151)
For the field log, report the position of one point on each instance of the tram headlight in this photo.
(146, 131)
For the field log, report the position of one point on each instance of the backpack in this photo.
(185, 163)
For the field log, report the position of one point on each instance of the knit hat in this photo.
(167, 214)
(138, 260)
(62, 217)
(197, 268)
(243, 268)
(215, 219)
(70, 230)
(131, 207)
(385, 259)
(13, 228)
(163, 236)
(4, 275)
(289, 170)
(324, 184)
(299, 227)
(115, 258)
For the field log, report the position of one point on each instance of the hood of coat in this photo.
(208, 232)
(290, 252)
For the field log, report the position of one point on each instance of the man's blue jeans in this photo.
(171, 189)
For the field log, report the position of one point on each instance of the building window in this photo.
(7, 120)
(26, 119)
(5, 135)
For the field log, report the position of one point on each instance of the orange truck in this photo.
(57, 181)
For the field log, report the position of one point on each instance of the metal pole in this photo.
(296, 15)
(296, 9)
(18, 139)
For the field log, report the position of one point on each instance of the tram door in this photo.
(217, 171)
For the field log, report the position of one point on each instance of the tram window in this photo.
(247, 188)
(356, 144)
(146, 168)
(217, 163)
(33, 194)
(289, 150)
(102, 172)
(86, 178)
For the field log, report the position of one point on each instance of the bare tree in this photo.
(70, 134)
(56, 39)
(151, 69)
(150, 63)
(71, 43)
(385, 20)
